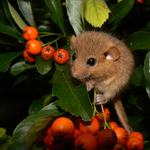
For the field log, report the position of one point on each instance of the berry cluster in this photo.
(34, 47)
(76, 134)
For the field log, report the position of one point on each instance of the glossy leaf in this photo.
(19, 21)
(11, 30)
(72, 96)
(6, 59)
(37, 128)
(138, 40)
(147, 73)
(56, 13)
(138, 77)
(8, 14)
(9, 40)
(20, 67)
(61, 67)
(73, 11)
(38, 104)
(5, 29)
(96, 12)
(42, 66)
(121, 9)
(26, 10)
(21, 131)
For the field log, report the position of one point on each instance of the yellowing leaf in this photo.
(2, 132)
(96, 12)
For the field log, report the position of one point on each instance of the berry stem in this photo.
(56, 45)
(43, 34)
(106, 125)
(94, 103)
(49, 43)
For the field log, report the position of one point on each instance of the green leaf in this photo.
(16, 17)
(37, 128)
(138, 76)
(129, 98)
(5, 141)
(6, 59)
(147, 73)
(21, 130)
(20, 67)
(4, 42)
(42, 66)
(121, 9)
(135, 120)
(73, 11)
(138, 40)
(56, 13)
(26, 10)
(73, 97)
(8, 15)
(61, 67)
(5, 29)
(3, 19)
(8, 29)
(38, 104)
(2, 132)
(96, 12)
(9, 40)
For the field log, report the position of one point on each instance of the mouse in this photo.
(103, 62)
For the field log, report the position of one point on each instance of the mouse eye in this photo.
(91, 61)
(74, 56)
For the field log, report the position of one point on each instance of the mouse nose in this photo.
(78, 73)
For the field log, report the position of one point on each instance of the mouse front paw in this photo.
(100, 99)
(89, 85)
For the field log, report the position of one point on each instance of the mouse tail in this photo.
(122, 116)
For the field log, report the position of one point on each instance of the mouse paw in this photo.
(89, 85)
(100, 99)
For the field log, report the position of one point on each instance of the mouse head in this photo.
(92, 56)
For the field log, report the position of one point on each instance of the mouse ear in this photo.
(112, 53)
(73, 39)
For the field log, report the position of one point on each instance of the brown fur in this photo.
(113, 68)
